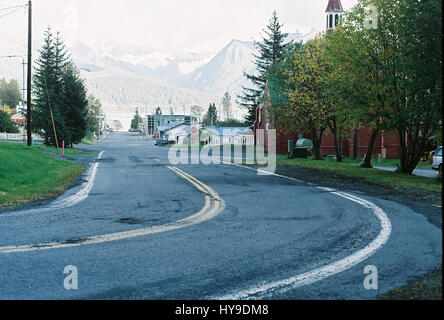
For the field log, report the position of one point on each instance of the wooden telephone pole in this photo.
(28, 99)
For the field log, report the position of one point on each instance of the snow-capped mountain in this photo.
(298, 37)
(125, 76)
(225, 71)
(168, 67)
(208, 72)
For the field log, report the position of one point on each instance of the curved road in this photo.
(142, 228)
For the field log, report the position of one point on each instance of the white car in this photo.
(437, 161)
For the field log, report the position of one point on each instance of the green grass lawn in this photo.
(15, 140)
(28, 174)
(396, 162)
(349, 168)
(428, 288)
(87, 142)
(68, 151)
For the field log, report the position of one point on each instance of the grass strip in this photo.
(27, 174)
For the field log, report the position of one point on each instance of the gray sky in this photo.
(165, 24)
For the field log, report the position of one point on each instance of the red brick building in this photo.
(386, 144)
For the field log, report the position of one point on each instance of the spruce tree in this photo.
(270, 50)
(48, 91)
(210, 118)
(136, 120)
(76, 104)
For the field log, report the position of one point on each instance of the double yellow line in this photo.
(214, 205)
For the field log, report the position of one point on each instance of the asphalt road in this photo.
(143, 228)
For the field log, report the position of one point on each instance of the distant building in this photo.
(173, 132)
(334, 13)
(153, 122)
(227, 135)
(19, 119)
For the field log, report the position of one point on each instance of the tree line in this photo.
(10, 98)
(385, 75)
(212, 117)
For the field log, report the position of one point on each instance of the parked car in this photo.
(437, 161)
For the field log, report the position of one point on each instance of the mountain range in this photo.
(127, 76)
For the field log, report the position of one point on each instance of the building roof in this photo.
(227, 131)
(184, 131)
(334, 5)
(170, 126)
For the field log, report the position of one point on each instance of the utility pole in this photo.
(28, 102)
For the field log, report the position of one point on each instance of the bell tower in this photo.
(334, 13)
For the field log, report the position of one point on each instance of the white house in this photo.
(177, 132)
(228, 135)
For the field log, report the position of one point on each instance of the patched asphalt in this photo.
(271, 229)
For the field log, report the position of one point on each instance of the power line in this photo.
(11, 12)
(8, 8)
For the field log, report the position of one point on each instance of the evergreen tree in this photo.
(158, 111)
(270, 50)
(136, 120)
(75, 111)
(48, 89)
(60, 98)
(210, 118)
(233, 123)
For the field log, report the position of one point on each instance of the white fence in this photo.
(17, 136)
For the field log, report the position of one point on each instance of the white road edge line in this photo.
(325, 271)
(69, 201)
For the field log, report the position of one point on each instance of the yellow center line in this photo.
(214, 205)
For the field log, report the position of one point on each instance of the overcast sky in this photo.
(173, 25)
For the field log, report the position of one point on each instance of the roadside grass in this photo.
(349, 168)
(28, 174)
(87, 142)
(15, 140)
(396, 162)
(54, 151)
(428, 288)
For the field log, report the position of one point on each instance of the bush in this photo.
(6, 125)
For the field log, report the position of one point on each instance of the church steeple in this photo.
(334, 13)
